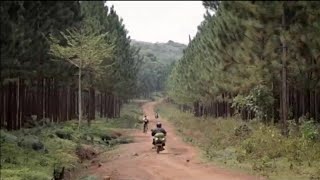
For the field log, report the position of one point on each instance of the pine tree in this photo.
(244, 46)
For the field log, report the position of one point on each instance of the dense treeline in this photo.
(166, 53)
(158, 60)
(258, 59)
(152, 75)
(41, 46)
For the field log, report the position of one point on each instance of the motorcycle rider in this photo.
(159, 129)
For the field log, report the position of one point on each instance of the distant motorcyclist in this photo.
(159, 129)
(145, 123)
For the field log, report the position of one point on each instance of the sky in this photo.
(160, 21)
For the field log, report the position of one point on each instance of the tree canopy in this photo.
(245, 45)
(43, 46)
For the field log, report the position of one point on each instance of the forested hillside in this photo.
(158, 60)
(165, 52)
(63, 59)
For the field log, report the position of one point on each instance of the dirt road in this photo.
(180, 161)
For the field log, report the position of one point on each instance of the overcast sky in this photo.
(160, 21)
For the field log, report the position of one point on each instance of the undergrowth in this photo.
(155, 96)
(34, 154)
(251, 146)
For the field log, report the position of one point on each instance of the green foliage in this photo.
(24, 27)
(242, 131)
(240, 47)
(24, 174)
(166, 53)
(125, 121)
(22, 162)
(256, 147)
(7, 137)
(259, 100)
(64, 134)
(129, 118)
(82, 49)
(310, 130)
(158, 60)
(84, 35)
(31, 142)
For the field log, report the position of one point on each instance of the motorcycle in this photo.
(159, 140)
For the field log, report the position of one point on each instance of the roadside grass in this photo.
(250, 146)
(155, 96)
(35, 153)
(129, 117)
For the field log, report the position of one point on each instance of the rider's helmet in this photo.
(158, 125)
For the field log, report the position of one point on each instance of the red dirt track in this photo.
(137, 161)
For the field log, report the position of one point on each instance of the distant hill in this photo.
(164, 52)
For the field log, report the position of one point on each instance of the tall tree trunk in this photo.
(68, 103)
(101, 105)
(8, 112)
(284, 113)
(277, 107)
(12, 107)
(105, 105)
(296, 106)
(39, 94)
(56, 97)
(316, 105)
(307, 103)
(311, 100)
(79, 98)
(196, 109)
(43, 98)
(302, 102)
(23, 102)
(17, 126)
(91, 113)
(2, 105)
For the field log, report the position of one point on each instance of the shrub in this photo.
(23, 174)
(85, 153)
(31, 142)
(7, 137)
(309, 130)
(259, 100)
(64, 134)
(253, 145)
(243, 131)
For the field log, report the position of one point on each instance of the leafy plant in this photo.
(309, 130)
(83, 50)
(259, 100)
